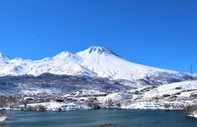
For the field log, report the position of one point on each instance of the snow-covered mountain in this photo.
(94, 62)
(105, 63)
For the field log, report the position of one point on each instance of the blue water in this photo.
(94, 118)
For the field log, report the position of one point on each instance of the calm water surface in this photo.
(94, 118)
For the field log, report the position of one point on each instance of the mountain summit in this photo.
(97, 50)
(67, 56)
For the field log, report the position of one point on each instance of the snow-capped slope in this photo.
(67, 56)
(3, 58)
(105, 63)
(95, 61)
(184, 88)
(65, 63)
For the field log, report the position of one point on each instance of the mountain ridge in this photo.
(94, 62)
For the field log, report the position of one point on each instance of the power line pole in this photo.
(191, 70)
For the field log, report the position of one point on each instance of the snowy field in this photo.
(175, 96)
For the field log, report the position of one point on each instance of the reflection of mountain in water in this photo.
(3, 125)
(107, 125)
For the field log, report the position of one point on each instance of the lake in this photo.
(95, 118)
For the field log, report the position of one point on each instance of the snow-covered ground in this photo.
(194, 115)
(169, 96)
(173, 88)
(57, 106)
(175, 96)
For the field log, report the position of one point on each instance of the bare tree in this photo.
(190, 109)
(109, 102)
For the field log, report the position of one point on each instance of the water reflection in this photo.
(3, 125)
(107, 125)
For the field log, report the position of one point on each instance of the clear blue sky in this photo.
(159, 33)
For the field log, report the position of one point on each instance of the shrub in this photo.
(109, 102)
(41, 108)
(118, 105)
(190, 109)
(167, 106)
(92, 104)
